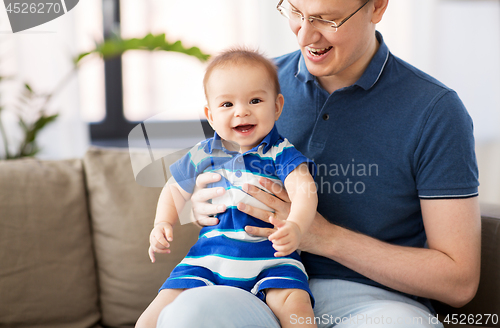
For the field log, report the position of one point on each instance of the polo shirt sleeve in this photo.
(444, 160)
(288, 158)
(185, 169)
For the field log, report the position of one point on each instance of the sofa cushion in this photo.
(47, 268)
(122, 214)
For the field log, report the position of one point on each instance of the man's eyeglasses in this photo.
(319, 23)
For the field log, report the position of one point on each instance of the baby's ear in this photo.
(208, 114)
(280, 101)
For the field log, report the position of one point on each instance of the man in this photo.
(398, 218)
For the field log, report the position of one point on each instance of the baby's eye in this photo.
(255, 101)
(227, 104)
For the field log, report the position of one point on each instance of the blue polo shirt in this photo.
(394, 137)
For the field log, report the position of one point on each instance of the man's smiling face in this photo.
(328, 53)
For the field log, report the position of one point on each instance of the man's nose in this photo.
(307, 34)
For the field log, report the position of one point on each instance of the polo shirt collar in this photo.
(214, 143)
(270, 139)
(369, 77)
(303, 74)
(376, 66)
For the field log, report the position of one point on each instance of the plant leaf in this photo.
(116, 46)
(43, 121)
(28, 87)
(23, 125)
(81, 56)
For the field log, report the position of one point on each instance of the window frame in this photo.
(114, 129)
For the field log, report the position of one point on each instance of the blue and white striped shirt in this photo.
(225, 253)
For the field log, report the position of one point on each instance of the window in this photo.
(166, 87)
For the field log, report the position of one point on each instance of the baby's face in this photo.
(242, 105)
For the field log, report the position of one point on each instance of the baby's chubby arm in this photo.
(304, 201)
(170, 204)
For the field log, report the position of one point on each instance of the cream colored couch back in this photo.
(73, 242)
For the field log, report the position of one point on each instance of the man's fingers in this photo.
(204, 209)
(275, 188)
(205, 194)
(254, 211)
(205, 221)
(201, 208)
(204, 179)
(273, 202)
(261, 232)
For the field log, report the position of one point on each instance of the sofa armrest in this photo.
(487, 299)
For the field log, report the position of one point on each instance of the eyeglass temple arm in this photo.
(279, 4)
(345, 19)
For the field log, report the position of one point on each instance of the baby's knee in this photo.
(292, 307)
(288, 300)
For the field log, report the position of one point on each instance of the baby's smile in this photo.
(244, 128)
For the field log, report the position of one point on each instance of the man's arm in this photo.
(447, 271)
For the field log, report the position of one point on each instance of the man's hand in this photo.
(159, 239)
(280, 203)
(286, 239)
(202, 209)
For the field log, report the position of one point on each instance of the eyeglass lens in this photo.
(297, 18)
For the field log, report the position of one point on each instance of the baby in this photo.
(244, 102)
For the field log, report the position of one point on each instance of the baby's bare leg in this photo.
(292, 307)
(149, 317)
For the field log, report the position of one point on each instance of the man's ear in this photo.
(379, 7)
(280, 101)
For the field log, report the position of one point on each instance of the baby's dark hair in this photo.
(235, 56)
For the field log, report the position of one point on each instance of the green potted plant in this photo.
(32, 118)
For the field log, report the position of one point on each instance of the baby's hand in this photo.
(287, 238)
(159, 239)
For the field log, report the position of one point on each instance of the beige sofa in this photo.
(74, 238)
